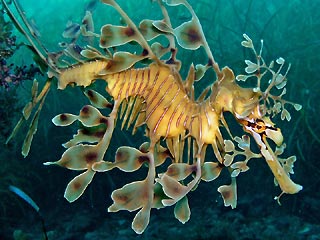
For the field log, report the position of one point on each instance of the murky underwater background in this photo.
(290, 29)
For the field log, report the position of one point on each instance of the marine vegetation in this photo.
(148, 92)
(11, 74)
(32, 203)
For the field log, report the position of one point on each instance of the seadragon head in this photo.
(254, 108)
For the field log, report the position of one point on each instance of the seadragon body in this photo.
(155, 97)
(168, 110)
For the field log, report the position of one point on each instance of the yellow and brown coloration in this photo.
(156, 97)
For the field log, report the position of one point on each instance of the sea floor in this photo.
(216, 223)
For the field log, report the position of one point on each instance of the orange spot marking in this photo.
(143, 159)
(128, 32)
(76, 186)
(91, 157)
(63, 117)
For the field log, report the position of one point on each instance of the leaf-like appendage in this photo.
(188, 35)
(78, 185)
(64, 119)
(162, 27)
(112, 36)
(121, 61)
(248, 43)
(97, 100)
(229, 194)
(182, 211)
(179, 171)
(210, 171)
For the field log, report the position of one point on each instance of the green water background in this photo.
(290, 29)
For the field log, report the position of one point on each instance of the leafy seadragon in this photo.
(155, 97)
